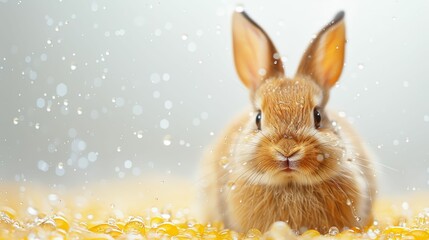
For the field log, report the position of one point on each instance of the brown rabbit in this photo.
(288, 158)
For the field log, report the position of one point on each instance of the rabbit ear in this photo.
(324, 59)
(255, 56)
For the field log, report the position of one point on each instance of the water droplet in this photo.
(155, 78)
(53, 197)
(320, 157)
(32, 211)
(139, 134)
(224, 161)
(333, 231)
(15, 120)
(167, 140)
(192, 47)
(168, 104)
(73, 67)
(166, 77)
(92, 156)
(119, 101)
(118, 149)
(262, 71)
(40, 102)
(43, 57)
(79, 111)
(239, 8)
(42, 166)
(32, 75)
(59, 171)
(164, 123)
(361, 66)
(120, 32)
(405, 206)
(137, 110)
(231, 185)
(128, 164)
(184, 37)
(94, 6)
(61, 89)
(358, 218)
(349, 202)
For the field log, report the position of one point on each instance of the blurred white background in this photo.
(94, 90)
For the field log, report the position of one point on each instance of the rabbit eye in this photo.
(317, 118)
(258, 120)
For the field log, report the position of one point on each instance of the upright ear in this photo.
(255, 56)
(324, 59)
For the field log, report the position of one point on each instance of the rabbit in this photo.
(288, 158)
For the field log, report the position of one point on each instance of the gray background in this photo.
(87, 87)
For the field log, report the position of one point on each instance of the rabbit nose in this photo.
(293, 155)
(288, 150)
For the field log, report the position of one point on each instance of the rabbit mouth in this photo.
(288, 165)
(288, 170)
(288, 162)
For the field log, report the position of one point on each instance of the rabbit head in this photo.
(288, 137)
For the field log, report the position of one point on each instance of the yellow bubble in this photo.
(9, 212)
(120, 225)
(191, 232)
(155, 221)
(48, 225)
(310, 233)
(61, 223)
(253, 233)
(103, 228)
(199, 228)
(419, 234)
(168, 228)
(225, 234)
(135, 225)
(395, 230)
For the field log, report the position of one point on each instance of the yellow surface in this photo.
(160, 208)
